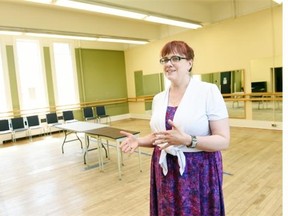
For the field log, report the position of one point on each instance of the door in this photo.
(225, 82)
(278, 79)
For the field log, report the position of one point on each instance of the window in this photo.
(5, 97)
(30, 76)
(65, 77)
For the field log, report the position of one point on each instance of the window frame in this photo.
(58, 105)
(45, 107)
(6, 80)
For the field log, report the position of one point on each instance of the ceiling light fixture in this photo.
(105, 8)
(119, 40)
(68, 35)
(73, 37)
(41, 1)
(99, 9)
(10, 33)
(278, 1)
(173, 22)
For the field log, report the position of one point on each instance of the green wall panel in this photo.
(49, 79)
(103, 73)
(237, 81)
(117, 109)
(138, 77)
(102, 76)
(78, 60)
(148, 106)
(207, 78)
(12, 77)
(151, 84)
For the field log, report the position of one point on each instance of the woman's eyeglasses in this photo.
(173, 59)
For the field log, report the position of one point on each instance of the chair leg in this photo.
(13, 136)
(30, 135)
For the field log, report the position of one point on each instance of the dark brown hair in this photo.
(179, 47)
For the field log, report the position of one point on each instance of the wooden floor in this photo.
(37, 179)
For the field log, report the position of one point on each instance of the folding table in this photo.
(114, 134)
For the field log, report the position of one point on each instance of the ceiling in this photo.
(202, 11)
(25, 14)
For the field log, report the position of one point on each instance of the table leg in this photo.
(86, 147)
(66, 133)
(119, 158)
(101, 164)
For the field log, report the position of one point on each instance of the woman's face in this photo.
(176, 66)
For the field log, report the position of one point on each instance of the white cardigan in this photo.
(202, 102)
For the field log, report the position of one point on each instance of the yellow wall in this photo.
(230, 45)
(225, 46)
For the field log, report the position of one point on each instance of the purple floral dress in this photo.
(198, 192)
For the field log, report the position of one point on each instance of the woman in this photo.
(190, 127)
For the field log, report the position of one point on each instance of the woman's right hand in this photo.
(130, 143)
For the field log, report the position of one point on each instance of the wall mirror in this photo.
(266, 85)
(231, 83)
(263, 94)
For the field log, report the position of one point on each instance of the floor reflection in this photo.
(261, 110)
(266, 111)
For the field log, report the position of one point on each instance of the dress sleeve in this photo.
(216, 106)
